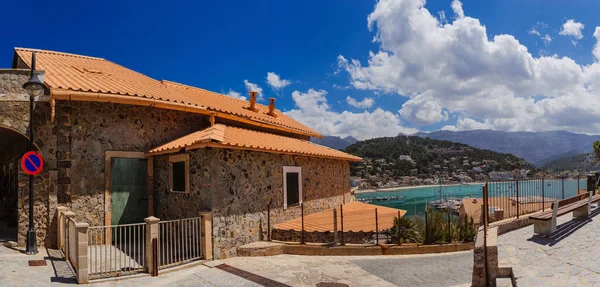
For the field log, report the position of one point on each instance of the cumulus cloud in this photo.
(251, 87)
(490, 81)
(572, 28)
(276, 82)
(457, 8)
(423, 110)
(235, 94)
(313, 110)
(364, 104)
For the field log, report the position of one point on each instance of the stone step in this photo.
(503, 282)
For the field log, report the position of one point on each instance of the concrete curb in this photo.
(275, 248)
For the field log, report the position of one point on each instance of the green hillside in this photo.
(581, 162)
(430, 156)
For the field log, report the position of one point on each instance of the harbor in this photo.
(415, 200)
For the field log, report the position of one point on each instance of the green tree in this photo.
(597, 150)
(405, 231)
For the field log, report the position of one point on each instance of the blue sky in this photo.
(217, 45)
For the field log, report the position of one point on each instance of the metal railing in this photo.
(514, 198)
(178, 241)
(116, 250)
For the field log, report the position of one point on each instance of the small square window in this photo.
(179, 173)
(292, 186)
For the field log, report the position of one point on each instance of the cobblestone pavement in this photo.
(448, 269)
(418, 270)
(570, 257)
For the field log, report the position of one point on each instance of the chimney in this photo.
(272, 107)
(252, 106)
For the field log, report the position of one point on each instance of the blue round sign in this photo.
(32, 163)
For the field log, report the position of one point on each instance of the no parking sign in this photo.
(32, 163)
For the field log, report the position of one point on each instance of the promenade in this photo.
(570, 257)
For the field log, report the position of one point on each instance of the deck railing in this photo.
(116, 250)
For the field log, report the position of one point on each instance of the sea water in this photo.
(415, 199)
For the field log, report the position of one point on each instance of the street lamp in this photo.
(34, 87)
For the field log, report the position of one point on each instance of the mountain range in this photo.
(335, 141)
(537, 148)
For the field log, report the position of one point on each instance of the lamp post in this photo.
(34, 87)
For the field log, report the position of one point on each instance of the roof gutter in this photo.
(226, 146)
(68, 95)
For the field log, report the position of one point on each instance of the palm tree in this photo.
(405, 231)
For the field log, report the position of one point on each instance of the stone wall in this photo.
(360, 237)
(14, 115)
(237, 186)
(74, 146)
(87, 130)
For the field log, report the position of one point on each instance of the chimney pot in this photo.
(253, 101)
(272, 107)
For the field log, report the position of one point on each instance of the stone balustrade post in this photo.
(60, 225)
(81, 239)
(151, 234)
(206, 242)
(65, 221)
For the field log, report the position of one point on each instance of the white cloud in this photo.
(442, 15)
(490, 81)
(364, 104)
(276, 82)
(547, 39)
(572, 28)
(313, 110)
(596, 50)
(457, 8)
(533, 31)
(251, 87)
(423, 110)
(235, 94)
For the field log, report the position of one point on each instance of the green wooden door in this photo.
(129, 190)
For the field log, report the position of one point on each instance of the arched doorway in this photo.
(12, 146)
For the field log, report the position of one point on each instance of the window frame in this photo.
(292, 169)
(180, 158)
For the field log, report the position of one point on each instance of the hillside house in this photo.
(120, 146)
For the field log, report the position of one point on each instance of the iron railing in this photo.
(116, 250)
(514, 198)
(178, 241)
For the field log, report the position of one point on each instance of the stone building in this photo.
(120, 146)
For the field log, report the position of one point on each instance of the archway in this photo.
(12, 146)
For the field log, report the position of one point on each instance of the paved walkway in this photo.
(449, 269)
(570, 257)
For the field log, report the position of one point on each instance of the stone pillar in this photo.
(65, 220)
(151, 233)
(60, 230)
(81, 239)
(480, 262)
(206, 235)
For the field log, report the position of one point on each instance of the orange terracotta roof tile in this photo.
(358, 216)
(70, 72)
(223, 136)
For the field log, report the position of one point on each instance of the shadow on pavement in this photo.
(564, 230)
(63, 273)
